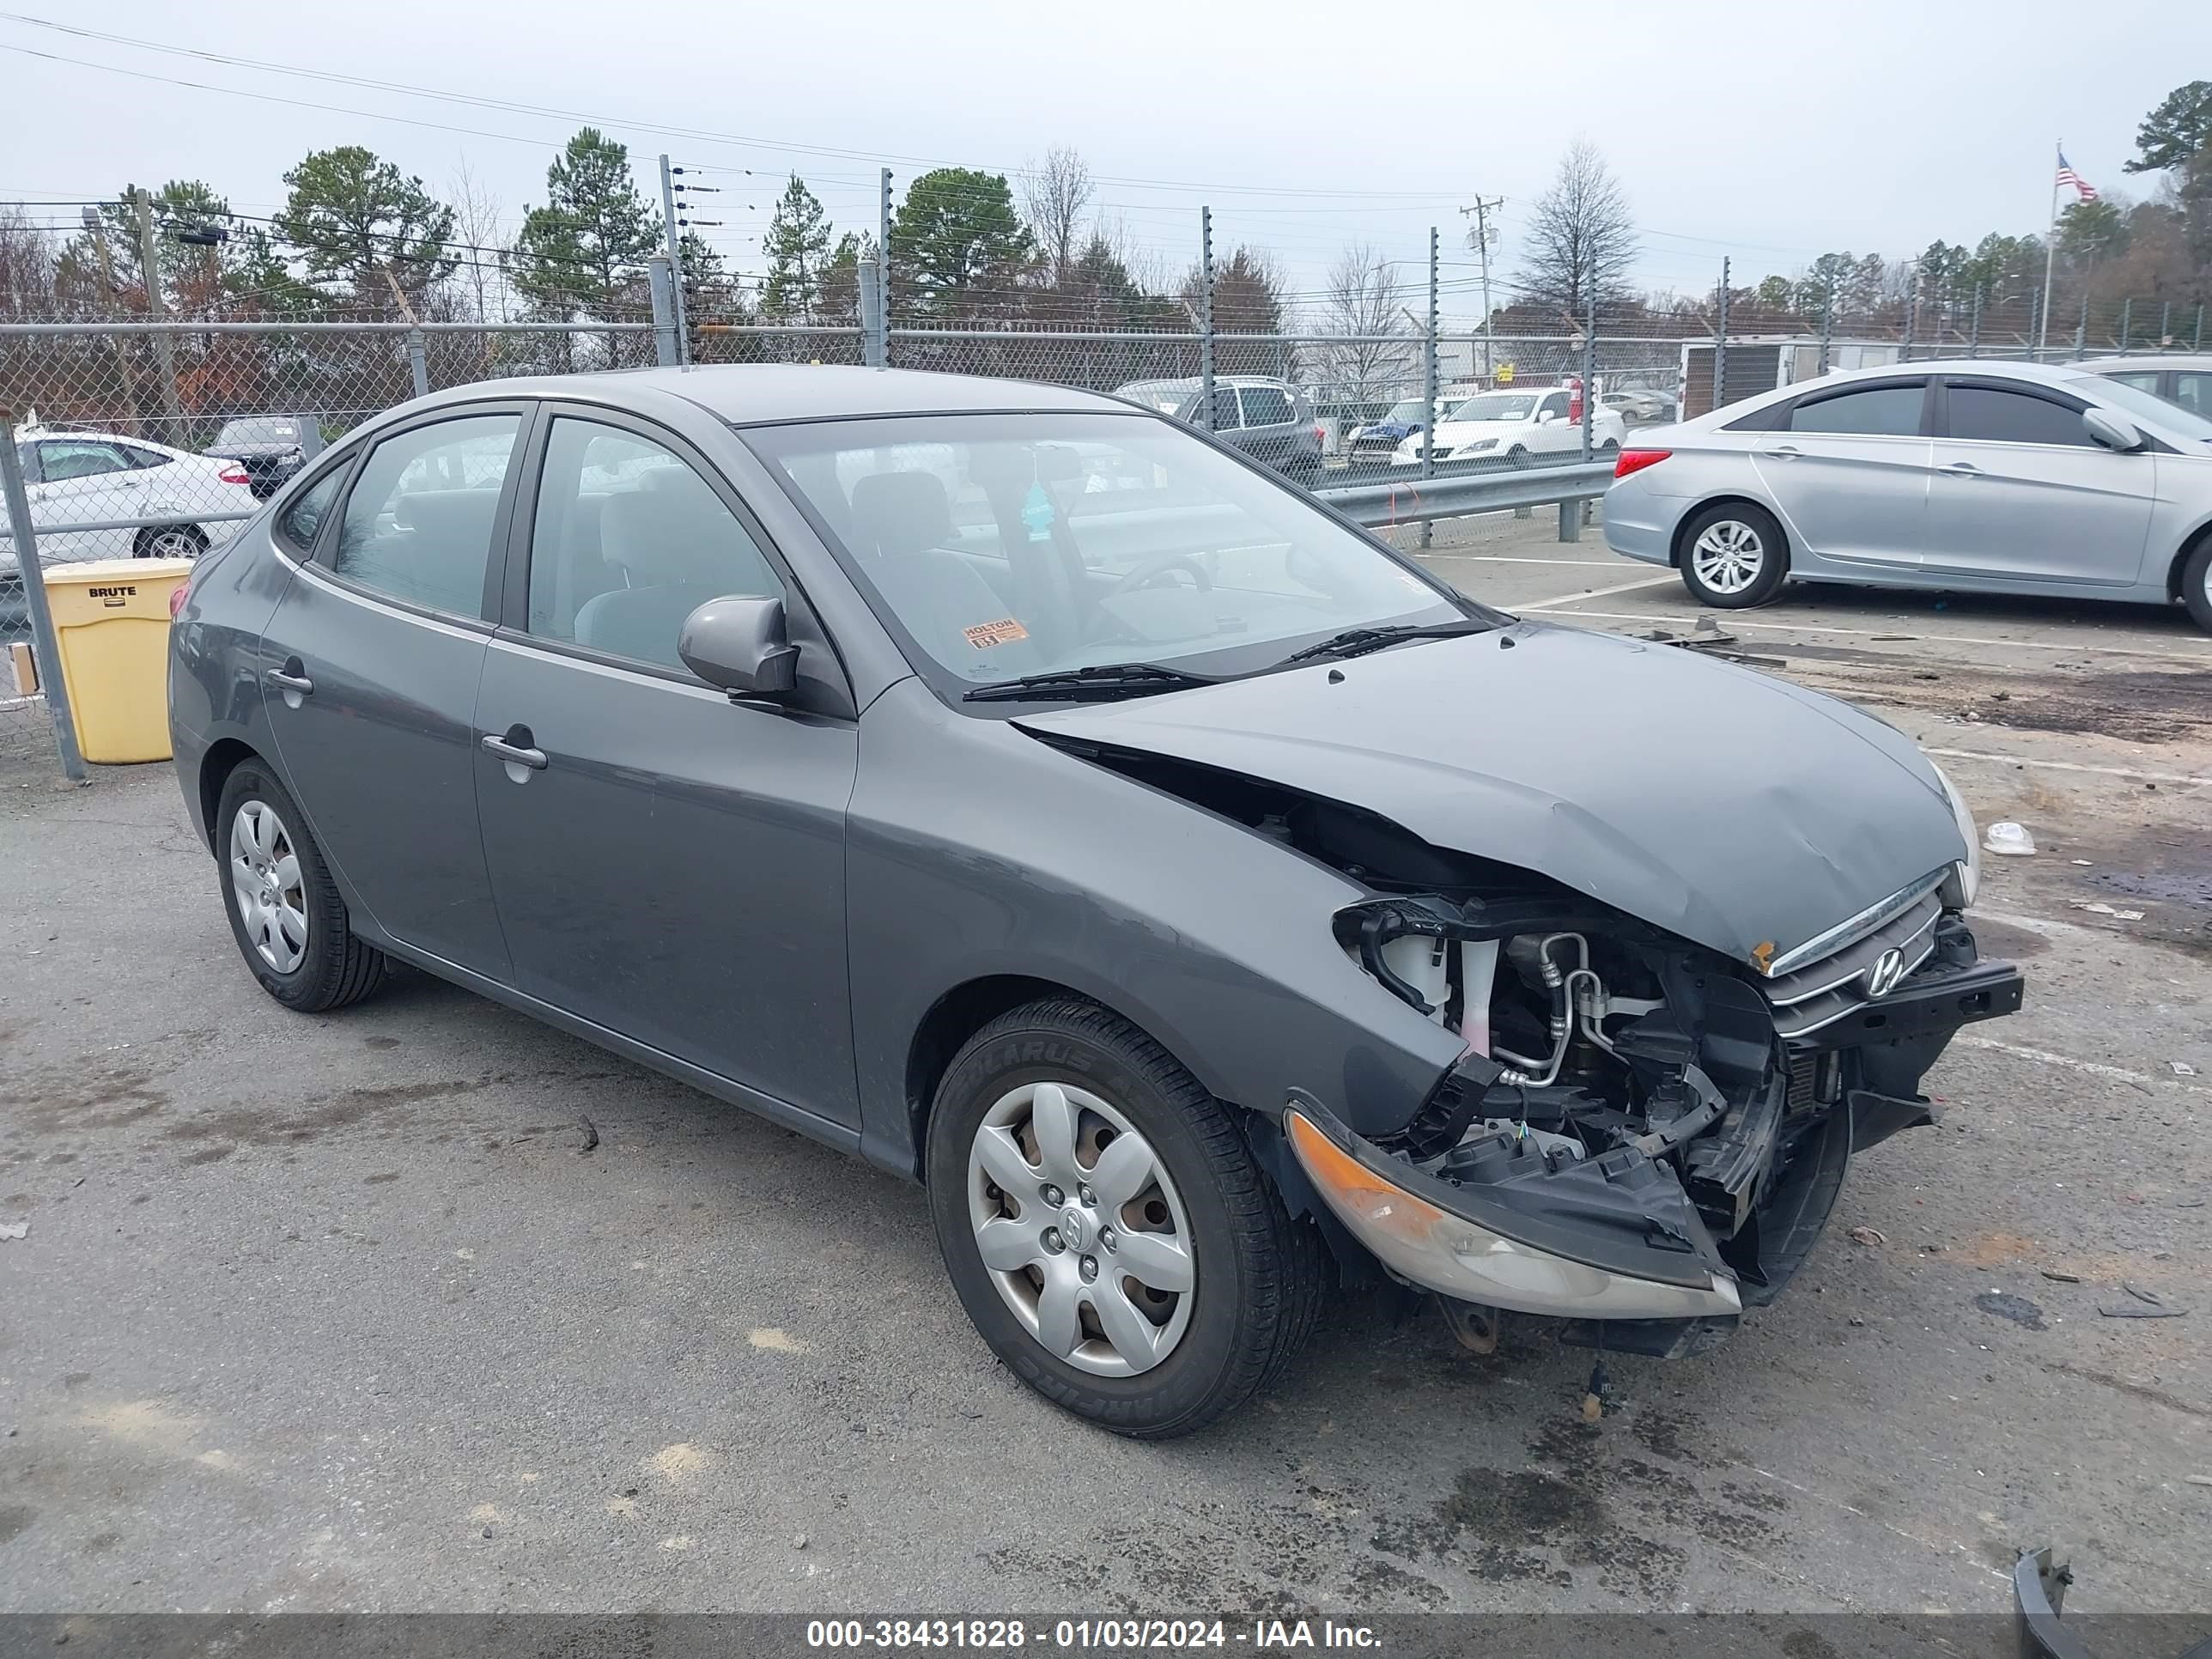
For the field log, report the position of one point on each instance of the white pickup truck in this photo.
(1519, 425)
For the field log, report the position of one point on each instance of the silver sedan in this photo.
(1970, 476)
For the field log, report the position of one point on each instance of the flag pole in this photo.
(2050, 250)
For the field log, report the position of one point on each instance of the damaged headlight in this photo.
(1969, 871)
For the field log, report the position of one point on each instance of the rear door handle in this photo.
(287, 682)
(515, 749)
(1962, 470)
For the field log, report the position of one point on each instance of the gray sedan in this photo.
(1970, 476)
(1042, 801)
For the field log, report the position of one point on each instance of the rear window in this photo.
(1265, 405)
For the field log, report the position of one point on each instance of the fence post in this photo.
(1974, 329)
(1827, 321)
(1720, 341)
(44, 648)
(884, 269)
(2082, 329)
(675, 260)
(1911, 314)
(661, 280)
(1206, 317)
(1428, 386)
(2197, 343)
(418, 364)
(157, 310)
(2127, 321)
(2165, 325)
(872, 315)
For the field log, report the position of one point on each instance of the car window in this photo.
(1988, 414)
(1265, 405)
(300, 521)
(418, 521)
(142, 458)
(2142, 380)
(627, 541)
(2166, 414)
(1224, 409)
(1556, 406)
(63, 459)
(1495, 406)
(2193, 391)
(1879, 411)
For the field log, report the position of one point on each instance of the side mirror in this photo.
(2112, 430)
(741, 646)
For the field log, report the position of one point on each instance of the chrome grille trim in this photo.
(1846, 932)
(1850, 962)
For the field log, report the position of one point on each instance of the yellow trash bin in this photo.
(111, 621)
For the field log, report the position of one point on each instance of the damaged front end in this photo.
(1641, 1136)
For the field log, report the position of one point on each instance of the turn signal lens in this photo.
(1635, 460)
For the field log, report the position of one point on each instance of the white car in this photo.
(197, 501)
(1519, 427)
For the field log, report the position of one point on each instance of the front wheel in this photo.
(285, 911)
(1518, 456)
(171, 541)
(1733, 555)
(2197, 585)
(1102, 1218)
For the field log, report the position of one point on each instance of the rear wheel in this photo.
(1107, 1228)
(1733, 555)
(284, 909)
(1518, 456)
(2196, 584)
(170, 541)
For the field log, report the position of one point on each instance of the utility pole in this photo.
(675, 259)
(1429, 384)
(96, 227)
(1480, 237)
(165, 348)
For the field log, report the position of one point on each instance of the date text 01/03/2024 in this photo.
(1111, 1635)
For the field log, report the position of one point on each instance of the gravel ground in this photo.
(338, 1313)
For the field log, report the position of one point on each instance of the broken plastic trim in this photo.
(1418, 1227)
(2039, 1579)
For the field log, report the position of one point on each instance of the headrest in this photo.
(461, 516)
(895, 513)
(677, 531)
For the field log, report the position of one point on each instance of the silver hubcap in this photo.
(1080, 1229)
(171, 544)
(1729, 556)
(265, 879)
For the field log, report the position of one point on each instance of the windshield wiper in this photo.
(1112, 679)
(1357, 642)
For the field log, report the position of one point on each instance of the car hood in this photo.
(1726, 806)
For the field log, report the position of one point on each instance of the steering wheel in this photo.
(1159, 565)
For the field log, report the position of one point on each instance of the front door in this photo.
(1849, 470)
(2021, 490)
(370, 673)
(668, 864)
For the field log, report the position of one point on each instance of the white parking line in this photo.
(2091, 1067)
(2198, 657)
(1598, 594)
(2066, 766)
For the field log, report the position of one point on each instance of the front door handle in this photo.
(1962, 470)
(1787, 452)
(516, 749)
(291, 677)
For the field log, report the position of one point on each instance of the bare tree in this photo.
(477, 223)
(1054, 197)
(1582, 237)
(1360, 298)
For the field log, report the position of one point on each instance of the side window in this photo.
(627, 541)
(2192, 389)
(1265, 405)
(2142, 380)
(300, 520)
(1224, 409)
(1556, 406)
(418, 521)
(1985, 414)
(141, 460)
(1890, 411)
(62, 459)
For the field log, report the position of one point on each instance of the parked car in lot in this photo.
(1639, 404)
(1973, 476)
(2186, 380)
(271, 448)
(1405, 419)
(103, 478)
(1520, 426)
(1269, 419)
(1170, 875)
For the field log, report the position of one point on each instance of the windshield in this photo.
(1496, 406)
(261, 430)
(2149, 406)
(1005, 545)
(1406, 412)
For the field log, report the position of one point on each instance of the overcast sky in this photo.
(1774, 133)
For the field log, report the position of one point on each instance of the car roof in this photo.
(37, 435)
(1194, 381)
(749, 393)
(2197, 360)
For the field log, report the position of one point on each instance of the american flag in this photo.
(2082, 188)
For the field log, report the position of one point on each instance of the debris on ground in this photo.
(2084, 863)
(591, 1134)
(2061, 1277)
(2005, 1305)
(2182, 1068)
(2198, 1479)
(2146, 1304)
(2099, 907)
(14, 1229)
(2010, 839)
(1868, 1236)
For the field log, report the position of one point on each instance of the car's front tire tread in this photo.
(339, 967)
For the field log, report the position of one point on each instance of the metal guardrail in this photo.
(1417, 501)
(180, 517)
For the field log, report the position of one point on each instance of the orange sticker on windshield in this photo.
(1005, 631)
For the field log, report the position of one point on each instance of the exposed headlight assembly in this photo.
(1968, 873)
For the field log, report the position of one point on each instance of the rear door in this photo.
(2022, 491)
(1270, 424)
(83, 481)
(1848, 469)
(370, 668)
(2192, 389)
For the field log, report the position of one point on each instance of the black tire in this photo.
(2196, 584)
(1518, 456)
(1258, 1275)
(1757, 534)
(335, 968)
(1609, 450)
(151, 542)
